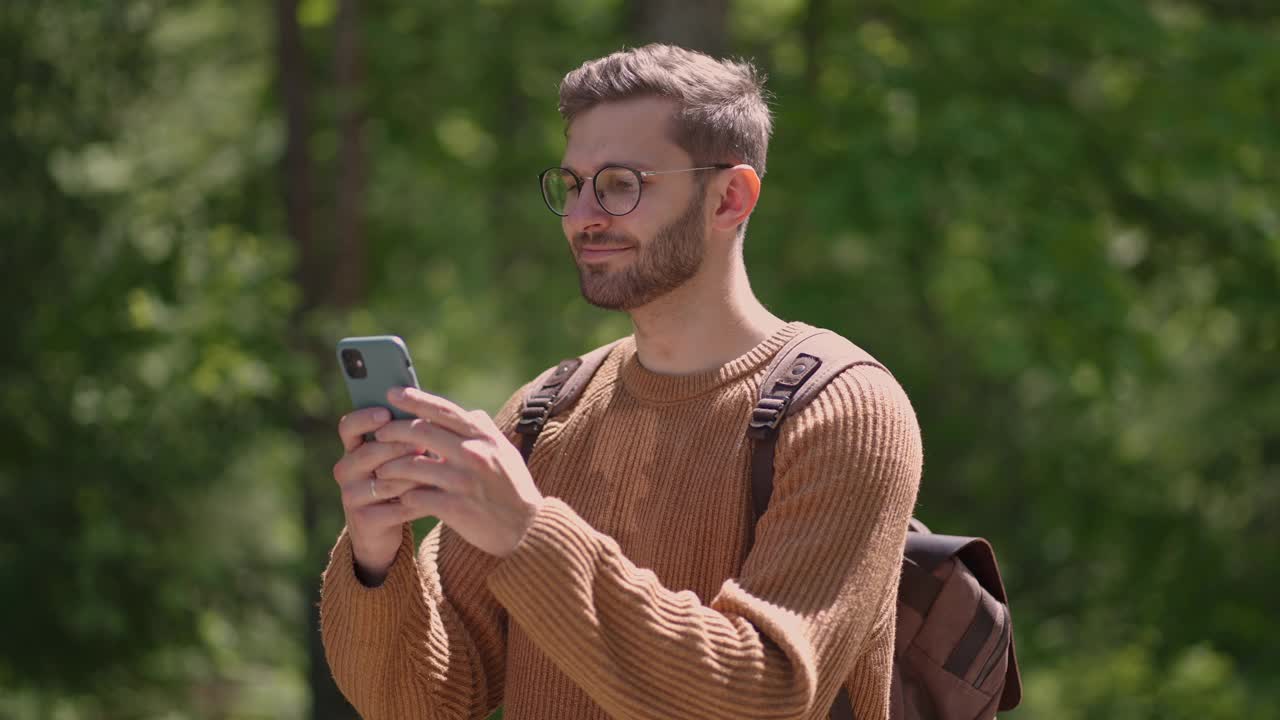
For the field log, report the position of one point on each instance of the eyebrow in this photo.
(624, 163)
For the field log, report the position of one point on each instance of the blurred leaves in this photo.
(1057, 222)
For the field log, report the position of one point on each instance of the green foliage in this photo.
(1057, 222)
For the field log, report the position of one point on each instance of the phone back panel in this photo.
(387, 364)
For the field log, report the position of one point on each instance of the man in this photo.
(613, 576)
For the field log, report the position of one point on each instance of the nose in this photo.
(585, 214)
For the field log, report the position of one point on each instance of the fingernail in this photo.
(381, 415)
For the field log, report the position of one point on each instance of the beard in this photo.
(660, 265)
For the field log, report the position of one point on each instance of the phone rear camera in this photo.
(353, 363)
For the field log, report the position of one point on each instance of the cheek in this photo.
(632, 233)
(640, 223)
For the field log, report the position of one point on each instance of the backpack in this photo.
(953, 652)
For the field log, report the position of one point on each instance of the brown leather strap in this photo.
(835, 355)
(966, 651)
(1006, 629)
(800, 370)
(555, 390)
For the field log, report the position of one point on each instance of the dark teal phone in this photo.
(372, 365)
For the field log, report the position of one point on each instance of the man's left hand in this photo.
(474, 479)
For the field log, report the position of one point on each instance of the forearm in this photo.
(399, 649)
(644, 651)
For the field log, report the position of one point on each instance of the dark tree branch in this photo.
(349, 272)
(695, 25)
(296, 176)
(815, 15)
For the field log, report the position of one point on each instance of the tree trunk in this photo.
(815, 20)
(296, 178)
(314, 279)
(695, 25)
(349, 273)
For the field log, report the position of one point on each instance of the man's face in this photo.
(625, 262)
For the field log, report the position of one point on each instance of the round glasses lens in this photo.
(618, 190)
(556, 187)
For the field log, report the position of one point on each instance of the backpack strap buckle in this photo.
(772, 406)
(537, 407)
(559, 388)
(768, 414)
(534, 414)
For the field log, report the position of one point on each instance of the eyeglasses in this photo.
(617, 188)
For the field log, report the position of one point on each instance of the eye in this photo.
(620, 182)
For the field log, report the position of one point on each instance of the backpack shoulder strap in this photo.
(555, 390)
(800, 370)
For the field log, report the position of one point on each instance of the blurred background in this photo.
(1057, 221)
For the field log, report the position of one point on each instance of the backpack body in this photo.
(953, 649)
(953, 653)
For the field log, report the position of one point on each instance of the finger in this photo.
(413, 505)
(419, 471)
(430, 501)
(355, 424)
(362, 461)
(361, 492)
(435, 409)
(422, 434)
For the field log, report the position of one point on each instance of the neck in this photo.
(704, 323)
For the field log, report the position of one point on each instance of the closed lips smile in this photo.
(599, 253)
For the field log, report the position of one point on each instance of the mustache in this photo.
(605, 240)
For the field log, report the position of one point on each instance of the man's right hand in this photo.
(374, 529)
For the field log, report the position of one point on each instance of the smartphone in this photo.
(371, 366)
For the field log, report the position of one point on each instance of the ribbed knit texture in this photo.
(633, 594)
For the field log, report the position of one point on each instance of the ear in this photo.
(737, 198)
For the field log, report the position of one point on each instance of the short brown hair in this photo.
(721, 113)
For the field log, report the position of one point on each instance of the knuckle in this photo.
(412, 501)
(472, 452)
(363, 516)
(492, 463)
(348, 495)
(481, 453)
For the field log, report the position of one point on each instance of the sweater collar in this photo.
(645, 384)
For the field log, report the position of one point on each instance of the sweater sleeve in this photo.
(430, 641)
(776, 641)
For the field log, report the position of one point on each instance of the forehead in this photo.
(634, 132)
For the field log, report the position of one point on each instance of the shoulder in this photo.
(861, 410)
(839, 373)
(860, 397)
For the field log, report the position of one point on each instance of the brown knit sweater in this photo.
(633, 594)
